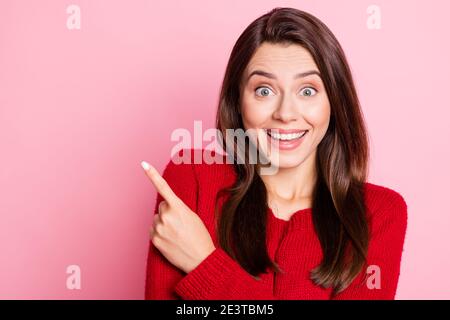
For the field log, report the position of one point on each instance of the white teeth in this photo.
(288, 136)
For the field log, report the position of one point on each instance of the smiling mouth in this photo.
(290, 136)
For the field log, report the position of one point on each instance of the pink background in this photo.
(79, 110)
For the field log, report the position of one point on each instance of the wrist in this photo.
(209, 251)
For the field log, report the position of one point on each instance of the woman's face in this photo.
(281, 89)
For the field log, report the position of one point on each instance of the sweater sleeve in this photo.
(161, 275)
(379, 278)
(219, 277)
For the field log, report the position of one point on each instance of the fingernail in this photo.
(145, 165)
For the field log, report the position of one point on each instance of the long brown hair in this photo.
(339, 212)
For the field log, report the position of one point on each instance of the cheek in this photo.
(254, 115)
(318, 115)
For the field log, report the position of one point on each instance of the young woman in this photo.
(316, 229)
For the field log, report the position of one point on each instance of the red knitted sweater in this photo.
(292, 244)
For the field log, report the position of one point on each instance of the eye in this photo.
(309, 91)
(263, 91)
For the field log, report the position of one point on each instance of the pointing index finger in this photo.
(161, 184)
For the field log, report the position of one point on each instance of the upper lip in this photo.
(285, 131)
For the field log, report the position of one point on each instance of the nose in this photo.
(286, 111)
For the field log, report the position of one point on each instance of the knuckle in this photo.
(159, 229)
(163, 205)
(165, 218)
(155, 220)
(183, 205)
(156, 241)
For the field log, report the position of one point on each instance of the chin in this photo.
(285, 160)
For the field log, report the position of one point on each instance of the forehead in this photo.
(291, 58)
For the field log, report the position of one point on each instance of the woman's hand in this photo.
(177, 232)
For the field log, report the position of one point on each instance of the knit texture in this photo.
(293, 244)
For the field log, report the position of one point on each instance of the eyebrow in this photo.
(272, 76)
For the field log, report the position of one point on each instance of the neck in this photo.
(293, 183)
